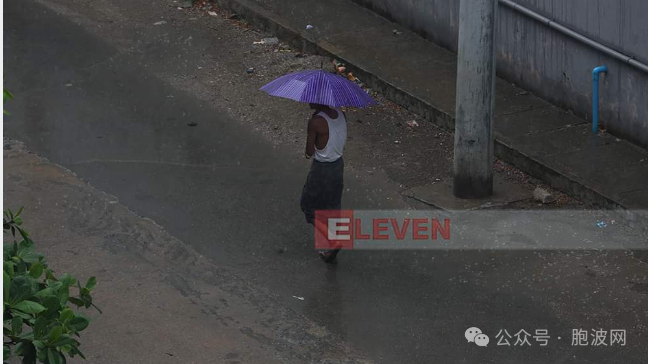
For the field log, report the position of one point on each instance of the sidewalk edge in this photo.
(264, 20)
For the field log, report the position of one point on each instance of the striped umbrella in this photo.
(319, 87)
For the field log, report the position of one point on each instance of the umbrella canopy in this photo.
(319, 87)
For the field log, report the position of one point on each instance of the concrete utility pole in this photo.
(473, 149)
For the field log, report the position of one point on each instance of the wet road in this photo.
(220, 187)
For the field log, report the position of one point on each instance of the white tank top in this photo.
(337, 138)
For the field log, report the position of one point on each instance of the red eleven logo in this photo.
(341, 229)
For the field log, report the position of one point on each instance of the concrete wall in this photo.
(549, 64)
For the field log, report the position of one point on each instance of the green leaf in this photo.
(6, 95)
(63, 294)
(30, 307)
(6, 352)
(49, 291)
(64, 340)
(21, 267)
(40, 327)
(26, 251)
(49, 275)
(53, 305)
(42, 355)
(22, 315)
(92, 282)
(77, 302)
(55, 333)
(29, 335)
(53, 356)
(8, 251)
(67, 280)
(55, 285)
(75, 351)
(36, 270)
(81, 354)
(66, 315)
(8, 267)
(21, 288)
(79, 323)
(19, 347)
(6, 282)
(39, 344)
(17, 325)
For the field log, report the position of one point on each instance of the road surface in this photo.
(103, 91)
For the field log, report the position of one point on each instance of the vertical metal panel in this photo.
(550, 64)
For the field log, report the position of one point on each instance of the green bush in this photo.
(38, 324)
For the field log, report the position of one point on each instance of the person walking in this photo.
(325, 140)
(326, 93)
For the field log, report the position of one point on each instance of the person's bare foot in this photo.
(329, 256)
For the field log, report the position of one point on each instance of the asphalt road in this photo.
(104, 111)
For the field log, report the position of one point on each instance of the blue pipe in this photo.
(595, 97)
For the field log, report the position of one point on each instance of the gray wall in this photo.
(550, 64)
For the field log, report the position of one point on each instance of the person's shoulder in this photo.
(318, 122)
(317, 119)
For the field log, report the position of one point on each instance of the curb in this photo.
(266, 21)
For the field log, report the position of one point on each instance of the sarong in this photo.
(323, 188)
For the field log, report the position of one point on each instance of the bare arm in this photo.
(314, 128)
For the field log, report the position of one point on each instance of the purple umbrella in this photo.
(319, 87)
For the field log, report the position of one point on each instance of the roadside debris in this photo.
(267, 41)
(212, 13)
(161, 22)
(396, 32)
(250, 70)
(309, 27)
(412, 124)
(601, 224)
(542, 195)
(299, 298)
(340, 69)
